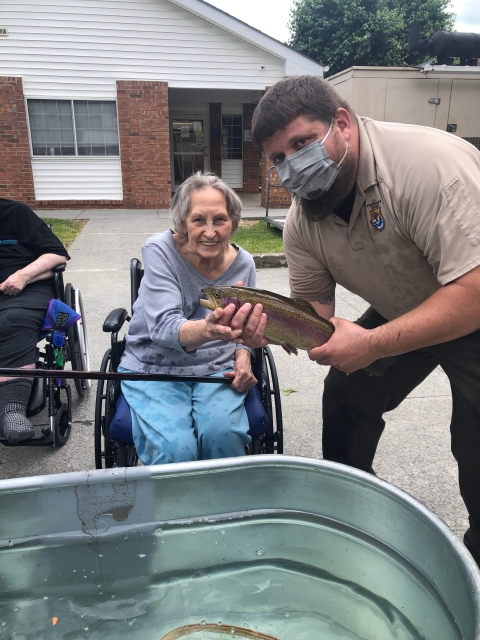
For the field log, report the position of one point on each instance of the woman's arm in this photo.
(40, 269)
(194, 333)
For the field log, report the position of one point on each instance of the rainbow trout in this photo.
(291, 322)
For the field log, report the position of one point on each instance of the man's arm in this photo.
(39, 269)
(451, 312)
(324, 307)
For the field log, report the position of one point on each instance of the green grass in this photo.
(66, 230)
(255, 237)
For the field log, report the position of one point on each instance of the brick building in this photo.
(113, 104)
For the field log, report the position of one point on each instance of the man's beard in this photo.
(316, 210)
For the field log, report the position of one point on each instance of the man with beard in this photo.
(392, 213)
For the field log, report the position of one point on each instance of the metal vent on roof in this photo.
(3, 31)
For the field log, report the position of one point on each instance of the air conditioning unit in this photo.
(3, 31)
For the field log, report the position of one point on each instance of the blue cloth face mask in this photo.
(310, 172)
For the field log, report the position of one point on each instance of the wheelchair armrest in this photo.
(60, 268)
(115, 320)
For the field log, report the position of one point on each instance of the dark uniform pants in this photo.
(353, 408)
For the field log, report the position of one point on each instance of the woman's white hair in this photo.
(181, 203)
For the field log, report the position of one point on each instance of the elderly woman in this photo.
(171, 333)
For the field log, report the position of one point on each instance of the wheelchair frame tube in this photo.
(105, 375)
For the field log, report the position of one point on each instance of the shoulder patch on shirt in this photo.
(376, 217)
(465, 212)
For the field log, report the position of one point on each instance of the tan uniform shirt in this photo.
(415, 224)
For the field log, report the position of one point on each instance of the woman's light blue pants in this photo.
(183, 421)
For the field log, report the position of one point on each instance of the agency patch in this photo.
(376, 219)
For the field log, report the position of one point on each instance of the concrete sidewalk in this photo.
(251, 209)
(414, 452)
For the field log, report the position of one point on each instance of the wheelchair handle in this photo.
(104, 375)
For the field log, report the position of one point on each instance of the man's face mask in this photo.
(310, 172)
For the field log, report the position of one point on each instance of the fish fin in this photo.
(286, 347)
(305, 304)
(379, 367)
(290, 349)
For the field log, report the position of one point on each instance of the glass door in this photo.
(189, 148)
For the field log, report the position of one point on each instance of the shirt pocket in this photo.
(465, 212)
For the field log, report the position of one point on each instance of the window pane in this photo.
(80, 107)
(35, 106)
(81, 122)
(232, 139)
(112, 150)
(51, 127)
(96, 128)
(109, 108)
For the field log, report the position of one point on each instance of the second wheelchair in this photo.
(54, 394)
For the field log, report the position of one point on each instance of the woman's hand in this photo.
(217, 331)
(243, 378)
(14, 284)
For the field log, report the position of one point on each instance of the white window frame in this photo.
(82, 158)
(232, 112)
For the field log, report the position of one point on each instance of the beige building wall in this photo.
(395, 94)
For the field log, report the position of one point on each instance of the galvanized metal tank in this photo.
(257, 547)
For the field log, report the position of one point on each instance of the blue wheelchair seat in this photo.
(121, 424)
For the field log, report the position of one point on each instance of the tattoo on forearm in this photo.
(327, 300)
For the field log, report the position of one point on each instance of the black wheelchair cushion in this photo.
(121, 425)
(38, 397)
(115, 320)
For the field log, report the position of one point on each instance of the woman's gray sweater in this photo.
(168, 297)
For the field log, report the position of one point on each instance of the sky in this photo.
(272, 16)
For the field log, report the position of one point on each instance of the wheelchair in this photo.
(111, 451)
(52, 392)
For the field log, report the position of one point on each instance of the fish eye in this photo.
(216, 293)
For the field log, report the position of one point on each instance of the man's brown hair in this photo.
(302, 96)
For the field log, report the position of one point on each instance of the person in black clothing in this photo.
(29, 251)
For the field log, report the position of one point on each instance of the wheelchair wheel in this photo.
(63, 426)
(61, 422)
(104, 458)
(272, 441)
(77, 340)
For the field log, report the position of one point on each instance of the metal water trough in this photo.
(148, 552)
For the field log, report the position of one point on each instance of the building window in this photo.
(232, 136)
(73, 127)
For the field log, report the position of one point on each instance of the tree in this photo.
(344, 33)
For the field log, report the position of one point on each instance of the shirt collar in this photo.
(366, 174)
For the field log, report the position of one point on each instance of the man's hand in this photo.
(350, 348)
(252, 323)
(14, 283)
(243, 378)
